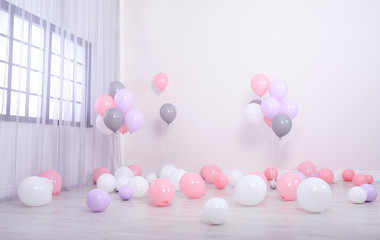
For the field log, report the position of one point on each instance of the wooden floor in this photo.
(68, 217)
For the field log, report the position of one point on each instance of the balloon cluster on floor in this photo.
(363, 191)
(115, 113)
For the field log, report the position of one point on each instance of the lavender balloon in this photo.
(125, 192)
(270, 107)
(371, 192)
(289, 107)
(134, 119)
(98, 200)
(124, 100)
(278, 89)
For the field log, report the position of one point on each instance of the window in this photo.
(44, 70)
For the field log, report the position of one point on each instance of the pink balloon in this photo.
(271, 173)
(326, 174)
(270, 107)
(136, 169)
(359, 179)
(260, 84)
(369, 178)
(55, 179)
(192, 185)
(99, 171)
(348, 175)
(123, 129)
(268, 122)
(278, 89)
(202, 172)
(289, 107)
(287, 186)
(260, 175)
(161, 192)
(161, 81)
(210, 172)
(220, 181)
(307, 169)
(103, 103)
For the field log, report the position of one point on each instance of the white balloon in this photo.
(101, 126)
(139, 186)
(234, 177)
(250, 190)
(216, 210)
(357, 195)
(314, 194)
(34, 191)
(106, 182)
(175, 177)
(151, 177)
(254, 114)
(166, 170)
(123, 172)
(121, 181)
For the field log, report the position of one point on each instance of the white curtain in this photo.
(56, 58)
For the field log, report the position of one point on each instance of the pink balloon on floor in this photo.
(287, 186)
(202, 172)
(136, 169)
(326, 174)
(271, 173)
(307, 168)
(99, 171)
(55, 179)
(260, 175)
(220, 181)
(359, 179)
(369, 178)
(210, 172)
(192, 185)
(161, 81)
(161, 192)
(348, 175)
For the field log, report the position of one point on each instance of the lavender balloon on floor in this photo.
(371, 192)
(125, 192)
(98, 200)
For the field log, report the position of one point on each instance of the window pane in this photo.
(81, 52)
(78, 111)
(68, 69)
(18, 78)
(37, 59)
(35, 82)
(56, 44)
(20, 54)
(3, 75)
(20, 29)
(35, 106)
(18, 101)
(67, 111)
(67, 90)
(78, 92)
(3, 48)
(3, 101)
(55, 65)
(69, 49)
(80, 73)
(37, 36)
(54, 108)
(4, 17)
(55, 87)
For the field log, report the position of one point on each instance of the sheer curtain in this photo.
(56, 58)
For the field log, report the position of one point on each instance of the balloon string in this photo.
(162, 136)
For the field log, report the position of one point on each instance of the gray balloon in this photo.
(168, 112)
(113, 118)
(113, 87)
(257, 101)
(281, 125)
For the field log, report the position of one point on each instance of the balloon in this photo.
(268, 122)
(289, 107)
(161, 192)
(271, 173)
(151, 177)
(357, 195)
(301, 175)
(134, 119)
(123, 171)
(103, 103)
(192, 185)
(326, 174)
(168, 112)
(287, 186)
(250, 190)
(125, 192)
(270, 107)
(307, 169)
(210, 171)
(314, 195)
(234, 177)
(175, 177)
(98, 200)
(101, 126)
(260, 175)
(371, 192)
(161, 81)
(348, 175)
(121, 181)
(281, 125)
(359, 179)
(114, 87)
(167, 170)
(99, 171)
(136, 169)
(47, 180)
(113, 119)
(220, 181)
(253, 113)
(257, 101)
(124, 100)
(260, 84)
(278, 89)
(123, 129)
(55, 179)
(34, 191)
(139, 186)
(369, 179)
(216, 210)
(202, 172)
(107, 182)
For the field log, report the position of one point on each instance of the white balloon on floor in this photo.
(357, 195)
(107, 182)
(234, 177)
(139, 186)
(34, 191)
(122, 181)
(216, 210)
(175, 177)
(167, 170)
(314, 194)
(250, 190)
(151, 177)
(123, 172)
